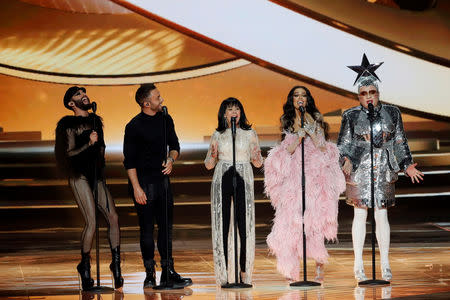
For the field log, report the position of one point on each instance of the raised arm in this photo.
(255, 151)
(174, 147)
(213, 152)
(71, 149)
(317, 134)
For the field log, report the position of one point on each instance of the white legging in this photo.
(359, 235)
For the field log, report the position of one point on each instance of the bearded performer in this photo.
(80, 153)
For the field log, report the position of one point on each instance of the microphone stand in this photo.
(372, 281)
(169, 284)
(305, 282)
(98, 288)
(237, 283)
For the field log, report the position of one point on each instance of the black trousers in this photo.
(227, 194)
(155, 210)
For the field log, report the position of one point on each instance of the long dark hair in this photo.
(222, 122)
(287, 119)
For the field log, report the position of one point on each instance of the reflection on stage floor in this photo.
(41, 228)
(422, 272)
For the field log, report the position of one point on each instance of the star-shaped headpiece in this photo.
(365, 69)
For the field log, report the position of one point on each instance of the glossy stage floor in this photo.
(41, 228)
(421, 271)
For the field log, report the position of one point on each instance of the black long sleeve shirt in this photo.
(143, 145)
(74, 155)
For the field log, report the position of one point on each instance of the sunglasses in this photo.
(365, 93)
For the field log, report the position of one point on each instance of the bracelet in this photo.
(171, 158)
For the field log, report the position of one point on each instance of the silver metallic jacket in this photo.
(390, 154)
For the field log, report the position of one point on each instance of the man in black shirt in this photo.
(148, 171)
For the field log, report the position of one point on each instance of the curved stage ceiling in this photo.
(286, 41)
(99, 42)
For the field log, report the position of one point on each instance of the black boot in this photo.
(168, 271)
(84, 270)
(150, 277)
(115, 268)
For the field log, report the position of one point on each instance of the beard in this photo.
(83, 106)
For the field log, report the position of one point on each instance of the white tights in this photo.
(359, 235)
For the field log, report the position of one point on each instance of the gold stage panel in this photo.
(52, 275)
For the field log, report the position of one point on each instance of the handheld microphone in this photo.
(371, 112)
(164, 110)
(370, 106)
(233, 125)
(301, 108)
(94, 106)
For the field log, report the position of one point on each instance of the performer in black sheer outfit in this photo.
(80, 154)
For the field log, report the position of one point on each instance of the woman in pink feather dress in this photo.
(323, 184)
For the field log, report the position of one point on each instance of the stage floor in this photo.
(419, 273)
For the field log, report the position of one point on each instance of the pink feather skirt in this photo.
(324, 182)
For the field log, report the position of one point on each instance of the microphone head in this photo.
(164, 110)
(301, 108)
(370, 106)
(94, 106)
(233, 125)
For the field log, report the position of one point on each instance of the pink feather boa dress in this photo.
(324, 182)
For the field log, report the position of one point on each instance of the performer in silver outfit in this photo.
(220, 157)
(391, 154)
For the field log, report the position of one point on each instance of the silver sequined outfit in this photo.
(246, 140)
(391, 153)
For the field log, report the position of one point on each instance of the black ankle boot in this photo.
(115, 268)
(84, 271)
(150, 277)
(168, 271)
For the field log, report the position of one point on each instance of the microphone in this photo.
(300, 106)
(233, 126)
(164, 110)
(371, 112)
(94, 106)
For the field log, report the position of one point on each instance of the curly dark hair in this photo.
(287, 119)
(221, 121)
